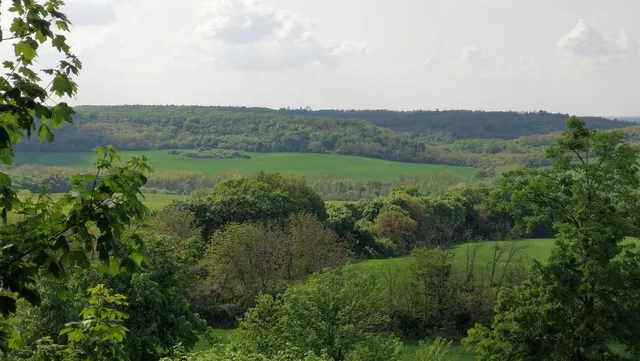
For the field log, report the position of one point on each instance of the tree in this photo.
(586, 296)
(310, 246)
(50, 236)
(246, 259)
(253, 198)
(177, 224)
(396, 226)
(338, 312)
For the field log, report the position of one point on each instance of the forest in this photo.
(530, 254)
(505, 136)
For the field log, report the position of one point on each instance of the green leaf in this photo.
(80, 258)
(41, 258)
(139, 257)
(61, 85)
(128, 264)
(42, 112)
(114, 267)
(60, 113)
(45, 132)
(61, 243)
(60, 43)
(24, 49)
(40, 36)
(7, 305)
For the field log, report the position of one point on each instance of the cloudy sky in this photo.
(572, 56)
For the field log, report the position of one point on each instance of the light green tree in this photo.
(586, 297)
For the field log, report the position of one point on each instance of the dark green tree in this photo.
(586, 297)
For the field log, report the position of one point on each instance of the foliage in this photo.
(244, 260)
(230, 354)
(101, 332)
(159, 315)
(176, 224)
(436, 350)
(337, 312)
(396, 226)
(344, 219)
(91, 220)
(97, 337)
(54, 235)
(258, 197)
(430, 294)
(193, 127)
(25, 91)
(585, 296)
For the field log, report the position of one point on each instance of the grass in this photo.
(538, 249)
(307, 164)
(528, 250)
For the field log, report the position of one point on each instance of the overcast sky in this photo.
(570, 56)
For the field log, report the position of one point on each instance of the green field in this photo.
(308, 164)
(528, 249)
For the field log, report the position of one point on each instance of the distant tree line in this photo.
(340, 132)
(451, 124)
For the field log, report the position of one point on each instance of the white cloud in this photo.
(247, 35)
(585, 40)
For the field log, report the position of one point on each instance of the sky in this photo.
(570, 56)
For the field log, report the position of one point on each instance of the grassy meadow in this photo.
(307, 164)
(527, 250)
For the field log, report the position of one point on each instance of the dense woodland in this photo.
(452, 124)
(359, 133)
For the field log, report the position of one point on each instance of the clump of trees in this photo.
(210, 153)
